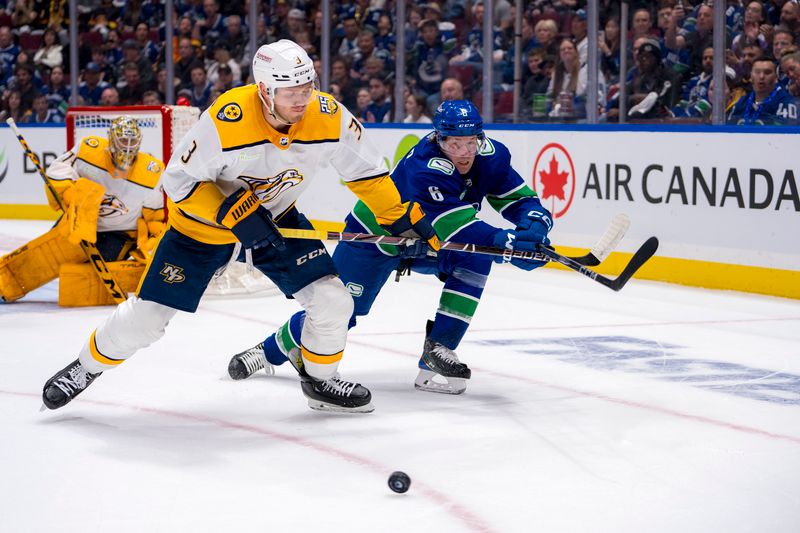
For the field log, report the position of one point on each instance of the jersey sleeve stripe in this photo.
(248, 145)
(451, 222)
(314, 141)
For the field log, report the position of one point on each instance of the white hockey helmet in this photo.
(282, 64)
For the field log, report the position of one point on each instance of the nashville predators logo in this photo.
(230, 113)
(111, 206)
(91, 142)
(267, 189)
(172, 273)
(298, 60)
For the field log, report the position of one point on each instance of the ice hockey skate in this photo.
(66, 384)
(245, 364)
(336, 395)
(440, 370)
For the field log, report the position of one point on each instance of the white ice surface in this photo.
(568, 429)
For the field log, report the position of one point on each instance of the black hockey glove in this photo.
(414, 224)
(249, 221)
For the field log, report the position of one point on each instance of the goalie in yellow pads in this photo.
(112, 196)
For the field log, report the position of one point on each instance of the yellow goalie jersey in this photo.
(232, 147)
(127, 197)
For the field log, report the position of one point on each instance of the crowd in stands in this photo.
(122, 59)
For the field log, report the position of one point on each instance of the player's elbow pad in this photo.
(250, 222)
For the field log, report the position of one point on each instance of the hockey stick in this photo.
(599, 252)
(544, 253)
(89, 248)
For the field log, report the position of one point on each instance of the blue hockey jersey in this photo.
(778, 108)
(452, 201)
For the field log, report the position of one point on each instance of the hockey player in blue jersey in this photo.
(449, 173)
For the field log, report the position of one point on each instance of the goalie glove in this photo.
(250, 222)
(414, 224)
(81, 210)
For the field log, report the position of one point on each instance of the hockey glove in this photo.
(514, 241)
(414, 224)
(250, 222)
(535, 226)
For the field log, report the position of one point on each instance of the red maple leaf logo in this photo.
(553, 181)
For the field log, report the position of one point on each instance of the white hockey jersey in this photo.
(127, 197)
(232, 146)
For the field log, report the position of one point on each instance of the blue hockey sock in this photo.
(287, 337)
(448, 330)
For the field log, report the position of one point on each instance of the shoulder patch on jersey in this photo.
(152, 166)
(327, 105)
(91, 142)
(487, 148)
(442, 165)
(230, 113)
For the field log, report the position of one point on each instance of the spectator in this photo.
(609, 48)
(211, 24)
(692, 43)
(108, 73)
(132, 54)
(642, 25)
(362, 101)
(663, 16)
(29, 15)
(567, 87)
(225, 79)
(148, 48)
(109, 97)
(540, 67)
(449, 89)
(132, 87)
(768, 103)
(415, 110)
(296, 21)
(279, 20)
(8, 54)
(755, 30)
(200, 89)
(349, 45)
(578, 29)
(428, 62)
(366, 50)
(385, 39)
(653, 90)
(414, 18)
(336, 91)
(222, 56)
(262, 38)
(790, 64)
(790, 17)
(235, 38)
(91, 88)
(340, 74)
(12, 108)
(546, 32)
(112, 48)
(432, 11)
(24, 83)
(57, 90)
(380, 108)
(42, 114)
(49, 54)
(781, 39)
(695, 96)
(188, 61)
(151, 98)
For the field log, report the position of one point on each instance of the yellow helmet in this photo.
(124, 140)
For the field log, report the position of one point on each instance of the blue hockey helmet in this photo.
(457, 118)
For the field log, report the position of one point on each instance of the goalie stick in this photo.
(89, 248)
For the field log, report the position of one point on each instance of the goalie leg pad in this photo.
(328, 307)
(134, 324)
(36, 263)
(79, 285)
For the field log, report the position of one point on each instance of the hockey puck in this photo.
(399, 482)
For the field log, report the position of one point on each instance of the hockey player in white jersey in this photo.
(236, 176)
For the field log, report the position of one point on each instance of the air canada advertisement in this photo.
(727, 197)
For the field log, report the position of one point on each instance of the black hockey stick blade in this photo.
(588, 260)
(642, 255)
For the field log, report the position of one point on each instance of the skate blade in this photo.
(426, 381)
(317, 405)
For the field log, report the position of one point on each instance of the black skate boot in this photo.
(66, 384)
(439, 368)
(336, 394)
(245, 364)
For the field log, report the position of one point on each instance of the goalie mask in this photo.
(124, 140)
(284, 64)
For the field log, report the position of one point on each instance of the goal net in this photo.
(163, 127)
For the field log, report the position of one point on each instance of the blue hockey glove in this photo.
(513, 241)
(414, 224)
(535, 226)
(249, 221)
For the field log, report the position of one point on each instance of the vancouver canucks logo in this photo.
(230, 113)
(3, 164)
(172, 273)
(111, 206)
(267, 189)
